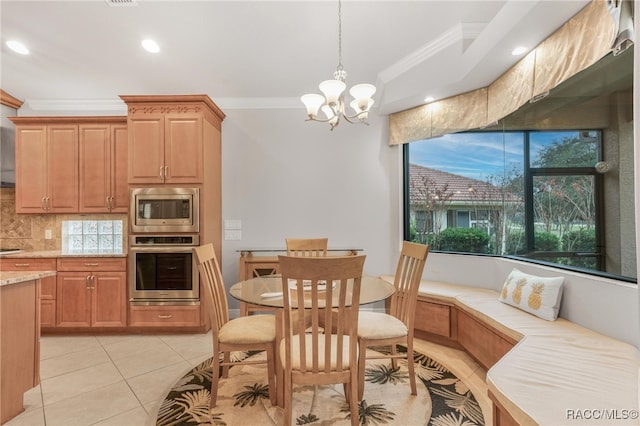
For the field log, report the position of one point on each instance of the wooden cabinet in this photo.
(71, 164)
(256, 266)
(103, 168)
(484, 344)
(166, 148)
(91, 292)
(165, 316)
(433, 317)
(47, 284)
(19, 345)
(46, 167)
(169, 137)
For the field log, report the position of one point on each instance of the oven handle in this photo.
(161, 249)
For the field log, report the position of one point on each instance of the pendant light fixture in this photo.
(332, 104)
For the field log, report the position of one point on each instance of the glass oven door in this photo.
(163, 274)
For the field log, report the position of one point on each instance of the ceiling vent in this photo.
(118, 3)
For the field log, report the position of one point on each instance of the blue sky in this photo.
(478, 155)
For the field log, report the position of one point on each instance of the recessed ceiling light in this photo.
(150, 46)
(18, 47)
(429, 99)
(518, 50)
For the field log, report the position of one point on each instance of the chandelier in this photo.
(332, 104)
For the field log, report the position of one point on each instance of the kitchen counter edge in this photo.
(55, 254)
(15, 277)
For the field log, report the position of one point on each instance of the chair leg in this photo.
(225, 367)
(353, 401)
(215, 378)
(271, 373)
(288, 402)
(410, 365)
(362, 358)
(394, 361)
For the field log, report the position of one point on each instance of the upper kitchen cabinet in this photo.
(168, 137)
(103, 167)
(73, 164)
(46, 166)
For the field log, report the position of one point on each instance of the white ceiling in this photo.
(264, 54)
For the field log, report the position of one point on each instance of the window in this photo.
(546, 205)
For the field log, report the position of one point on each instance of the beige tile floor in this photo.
(121, 380)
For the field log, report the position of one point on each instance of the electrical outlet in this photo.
(48, 234)
(233, 224)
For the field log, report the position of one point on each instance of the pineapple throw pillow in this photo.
(539, 296)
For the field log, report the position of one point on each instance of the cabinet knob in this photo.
(165, 316)
(91, 264)
(22, 265)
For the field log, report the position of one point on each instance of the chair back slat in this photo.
(213, 284)
(328, 288)
(311, 247)
(407, 281)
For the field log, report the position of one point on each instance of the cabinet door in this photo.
(62, 168)
(95, 168)
(108, 304)
(146, 149)
(119, 181)
(31, 168)
(183, 148)
(74, 299)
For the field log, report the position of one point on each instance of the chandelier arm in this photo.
(351, 120)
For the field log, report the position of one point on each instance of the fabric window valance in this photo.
(583, 40)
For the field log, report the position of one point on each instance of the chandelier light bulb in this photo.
(332, 90)
(313, 102)
(362, 93)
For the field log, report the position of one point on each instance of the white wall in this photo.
(284, 177)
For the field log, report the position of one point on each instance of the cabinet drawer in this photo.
(158, 316)
(92, 264)
(28, 264)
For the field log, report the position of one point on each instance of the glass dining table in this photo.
(266, 291)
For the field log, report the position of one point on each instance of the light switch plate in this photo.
(232, 224)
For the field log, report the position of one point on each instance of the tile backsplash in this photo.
(92, 236)
(28, 231)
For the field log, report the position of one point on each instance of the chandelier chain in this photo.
(340, 68)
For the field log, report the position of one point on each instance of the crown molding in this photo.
(457, 33)
(119, 107)
(8, 100)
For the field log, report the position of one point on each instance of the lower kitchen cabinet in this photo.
(47, 286)
(91, 292)
(165, 316)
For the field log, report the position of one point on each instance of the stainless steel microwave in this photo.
(165, 209)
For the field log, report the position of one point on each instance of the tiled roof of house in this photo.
(452, 188)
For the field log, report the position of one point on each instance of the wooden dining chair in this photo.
(307, 246)
(396, 326)
(318, 356)
(295, 247)
(250, 333)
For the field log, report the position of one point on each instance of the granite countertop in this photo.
(14, 277)
(57, 253)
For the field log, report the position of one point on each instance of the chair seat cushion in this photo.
(376, 325)
(249, 329)
(295, 352)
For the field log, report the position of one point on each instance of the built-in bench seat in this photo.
(538, 371)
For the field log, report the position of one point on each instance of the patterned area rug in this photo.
(243, 398)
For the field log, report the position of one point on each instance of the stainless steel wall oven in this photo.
(163, 269)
